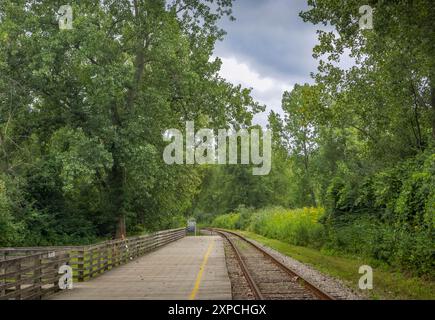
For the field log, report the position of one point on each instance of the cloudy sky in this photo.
(268, 48)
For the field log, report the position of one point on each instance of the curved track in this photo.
(267, 277)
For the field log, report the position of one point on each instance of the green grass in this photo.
(386, 284)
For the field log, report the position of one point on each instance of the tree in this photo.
(300, 130)
(85, 108)
(391, 88)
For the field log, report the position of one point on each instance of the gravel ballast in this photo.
(335, 287)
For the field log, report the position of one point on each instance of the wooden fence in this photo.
(33, 273)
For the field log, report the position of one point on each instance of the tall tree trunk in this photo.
(307, 172)
(118, 173)
(121, 232)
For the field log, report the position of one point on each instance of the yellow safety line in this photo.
(201, 270)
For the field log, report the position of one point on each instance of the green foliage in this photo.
(402, 195)
(226, 188)
(80, 159)
(359, 235)
(415, 202)
(10, 230)
(82, 113)
(400, 248)
(299, 227)
(227, 221)
(359, 142)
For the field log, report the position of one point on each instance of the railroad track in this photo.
(268, 278)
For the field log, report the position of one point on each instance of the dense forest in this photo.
(83, 111)
(358, 143)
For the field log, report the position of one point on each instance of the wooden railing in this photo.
(32, 273)
(12, 253)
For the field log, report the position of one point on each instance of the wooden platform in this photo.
(190, 268)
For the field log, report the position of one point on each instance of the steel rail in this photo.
(254, 288)
(307, 284)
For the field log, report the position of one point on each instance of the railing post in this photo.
(2, 280)
(108, 251)
(136, 249)
(37, 276)
(112, 259)
(18, 280)
(91, 263)
(126, 249)
(56, 267)
(99, 258)
(80, 264)
(157, 240)
(117, 254)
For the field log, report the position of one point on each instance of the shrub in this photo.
(401, 246)
(395, 245)
(227, 221)
(299, 227)
(10, 230)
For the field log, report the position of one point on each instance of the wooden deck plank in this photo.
(169, 273)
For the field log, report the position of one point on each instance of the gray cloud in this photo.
(269, 48)
(271, 38)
